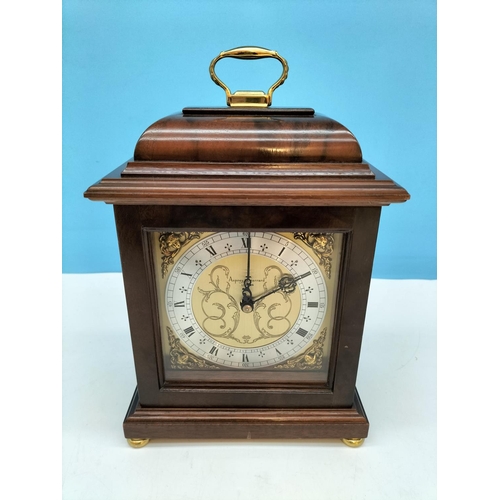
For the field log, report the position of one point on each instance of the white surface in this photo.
(396, 382)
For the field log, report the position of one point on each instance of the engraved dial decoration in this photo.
(246, 300)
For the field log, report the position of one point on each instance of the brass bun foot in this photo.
(137, 443)
(353, 442)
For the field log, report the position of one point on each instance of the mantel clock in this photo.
(247, 235)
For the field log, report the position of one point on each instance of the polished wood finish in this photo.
(275, 157)
(217, 423)
(217, 188)
(265, 170)
(360, 227)
(249, 170)
(270, 136)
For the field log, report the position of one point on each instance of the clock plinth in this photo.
(246, 423)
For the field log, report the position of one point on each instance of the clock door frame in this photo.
(360, 226)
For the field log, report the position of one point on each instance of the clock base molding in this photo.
(142, 424)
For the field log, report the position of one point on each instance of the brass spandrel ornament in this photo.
(181, 358)
(171, 244)
(323, 246)
(311, 359)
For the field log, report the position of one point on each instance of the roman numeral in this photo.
(245, 358)
(211, 251)
(244, 241)
(305, 275)
(186, 274)
(312, 304)
(189, 331)
(301, 332)
(281, 251)
(278, 351)
(214, 351)
(179, 304)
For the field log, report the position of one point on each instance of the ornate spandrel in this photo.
(170, 245)
(181, 358)
(310, 359)
(322, 245)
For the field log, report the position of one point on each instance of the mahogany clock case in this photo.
(133, 225)
(330, 409)
(278, 170)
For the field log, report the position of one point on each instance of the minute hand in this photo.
(286, 284)
(246, 294)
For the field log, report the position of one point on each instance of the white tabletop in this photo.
(396, 382)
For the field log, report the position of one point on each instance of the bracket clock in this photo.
(246, 235)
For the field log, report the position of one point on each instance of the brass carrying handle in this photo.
(249, 98)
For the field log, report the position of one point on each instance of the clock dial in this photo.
(246, 300)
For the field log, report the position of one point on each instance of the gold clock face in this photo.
(246, 300)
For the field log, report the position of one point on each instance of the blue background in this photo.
(369, 64)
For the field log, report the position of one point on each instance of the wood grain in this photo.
(223, 170)
(216, 423)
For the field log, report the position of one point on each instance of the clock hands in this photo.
(247, 301)
(286, 284)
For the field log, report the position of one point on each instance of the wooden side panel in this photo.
(354, 298)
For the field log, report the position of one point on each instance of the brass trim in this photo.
(170, 245)
(353, 442)
(137, 442)
(322, 245)
(310, 359)
(249, 98)
(181, 358)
